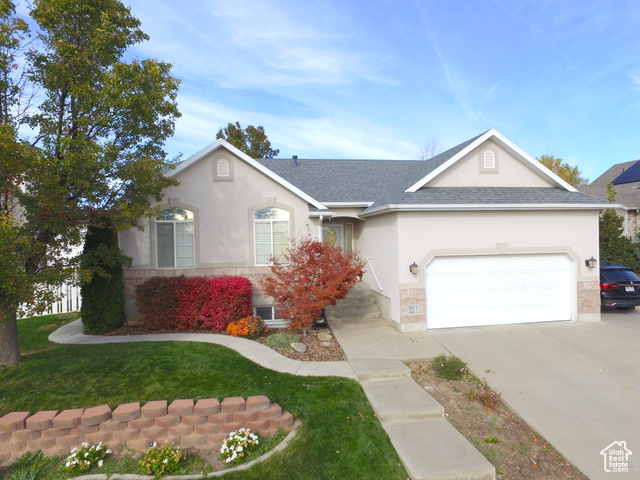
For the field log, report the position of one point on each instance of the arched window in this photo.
(271, 233)
(175, 238)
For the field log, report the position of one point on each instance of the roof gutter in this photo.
(347, 204)
(321, 214)
(487, 207)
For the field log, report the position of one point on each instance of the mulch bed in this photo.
(316, 352)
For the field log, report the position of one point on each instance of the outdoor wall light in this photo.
(591, 262)
(413, 268)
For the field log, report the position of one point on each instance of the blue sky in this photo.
(381, 78)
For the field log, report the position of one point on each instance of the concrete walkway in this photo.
(254, 351)
(428, 445)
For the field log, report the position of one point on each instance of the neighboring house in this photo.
(625, 178)
(497, 238)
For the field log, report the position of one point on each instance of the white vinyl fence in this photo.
(69, 300)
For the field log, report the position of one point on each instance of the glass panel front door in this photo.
(333, 234)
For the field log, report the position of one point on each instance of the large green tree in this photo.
(252, 141)
(16, 243)
(615, 246)
(570, 174)
(97, 151)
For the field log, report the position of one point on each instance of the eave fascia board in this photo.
(534, 163)
(493, 133)
(324, 213)
(348, 204)
(485, 207)
(423, 181)
(221, 143)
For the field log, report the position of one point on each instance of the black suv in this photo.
(619, 286)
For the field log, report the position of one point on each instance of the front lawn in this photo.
(339, 436)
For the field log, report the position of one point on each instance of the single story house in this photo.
(496, 237)
(625, 178)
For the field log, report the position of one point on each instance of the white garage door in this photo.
(498, 289)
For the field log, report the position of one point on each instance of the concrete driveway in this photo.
(577, 384)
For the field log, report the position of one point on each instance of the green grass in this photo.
(339, 436)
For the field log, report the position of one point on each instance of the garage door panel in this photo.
(498, 289)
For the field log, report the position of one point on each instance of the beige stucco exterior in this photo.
(470, 172)
(223, 223)
(395, 240)
(223, 213)
(389, 240)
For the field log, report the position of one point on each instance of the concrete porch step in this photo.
(344, 309)
(363, 297)
(371, 369)
(434, 450)
(401, 400)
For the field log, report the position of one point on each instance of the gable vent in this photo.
(489, 159)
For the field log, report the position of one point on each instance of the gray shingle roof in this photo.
(497, 195)
(627, 194)
(341, 180)
(384, 182)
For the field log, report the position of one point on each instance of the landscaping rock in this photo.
(299, 347)
(325, 344)
(325, 337)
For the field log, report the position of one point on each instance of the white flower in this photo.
(166, 460)
(100, 463)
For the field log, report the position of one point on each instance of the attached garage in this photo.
(463, 291)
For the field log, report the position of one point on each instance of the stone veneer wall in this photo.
(588, 298)
(413, 309)
(202, 425)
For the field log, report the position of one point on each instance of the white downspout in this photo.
(320, 236)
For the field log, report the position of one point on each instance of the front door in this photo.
(332, 233)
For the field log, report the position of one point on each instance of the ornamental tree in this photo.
(102, 294)
(96, 150)
(311, 275)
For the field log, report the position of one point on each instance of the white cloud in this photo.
(332, 135)
(247, 44)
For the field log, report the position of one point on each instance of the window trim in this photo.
(174, 233)
(274, 321)
(271, 222)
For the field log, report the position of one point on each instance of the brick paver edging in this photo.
(201, 425)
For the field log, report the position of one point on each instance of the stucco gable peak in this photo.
(223, 144)
(503, 141)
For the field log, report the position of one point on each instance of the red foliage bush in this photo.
(194, 303)
(312, 275)
(213, 303)
(157, 300)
